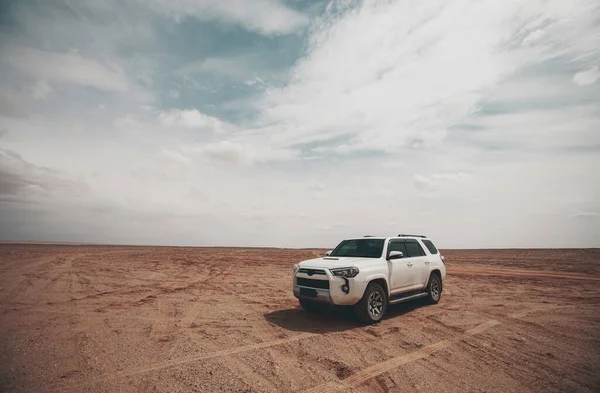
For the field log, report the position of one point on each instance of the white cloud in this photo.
(237, 153)
(422, 182)
(190, 118)
(233, 66)
(585, 214)
(421, 68)
(10, 105)
(20, 177)
(40, 90)
(264, 16)
(255, 81)
(66, 68)
(174, 157)
(127, 122)
(587, 77)
(538, 129)
(393, 164)
(534, 37)
(226, 151)
(436, 181)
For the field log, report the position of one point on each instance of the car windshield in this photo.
(359, 248)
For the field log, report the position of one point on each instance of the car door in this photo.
(419, 263)
(402, 276)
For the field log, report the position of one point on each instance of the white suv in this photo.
(371, 272)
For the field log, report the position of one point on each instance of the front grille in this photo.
(307, 282)
(311, 272)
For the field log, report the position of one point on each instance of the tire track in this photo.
(479, 271)
(353, 381)
(192, 315)
(241, 369)
(186, 360)
(371, 372)
(165, 323)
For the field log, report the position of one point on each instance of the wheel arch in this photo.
(381, 280)
(435, 270)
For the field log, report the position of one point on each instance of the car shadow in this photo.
(396, 310)
(324, 319)
(327, 319)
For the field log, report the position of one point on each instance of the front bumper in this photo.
(322, 295)
(327, 288)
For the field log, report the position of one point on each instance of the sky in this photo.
(297, 123)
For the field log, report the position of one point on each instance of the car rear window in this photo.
(414, 248)
(430, 246)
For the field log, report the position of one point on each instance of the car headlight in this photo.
(345, 271)
(296, 268)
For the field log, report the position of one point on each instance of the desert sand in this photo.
(77, 318)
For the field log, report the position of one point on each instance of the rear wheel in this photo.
(434, 288)
(371, 308)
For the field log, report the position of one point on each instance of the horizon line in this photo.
(64, 243)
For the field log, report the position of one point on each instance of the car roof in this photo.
(389, 237)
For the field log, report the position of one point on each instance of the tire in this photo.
(308, 305)
(434, 289)
(373, 305)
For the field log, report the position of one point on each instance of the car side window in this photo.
(413, 248)
(397, 245)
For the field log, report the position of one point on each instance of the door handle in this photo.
(427, 262)
(409, 264)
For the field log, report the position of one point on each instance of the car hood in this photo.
(333, 262)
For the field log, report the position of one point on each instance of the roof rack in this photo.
(405, 235)
(369, 236)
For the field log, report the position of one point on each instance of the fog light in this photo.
(345, 288)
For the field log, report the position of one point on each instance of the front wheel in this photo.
(434, 289)
(371, 308)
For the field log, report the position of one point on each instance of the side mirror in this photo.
(328, 253)
(395, 255)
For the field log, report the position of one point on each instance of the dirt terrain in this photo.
(77, 318)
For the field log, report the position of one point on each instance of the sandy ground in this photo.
(142, 319)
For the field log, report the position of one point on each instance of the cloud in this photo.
(190, 118)
(248, 68)
(12, 104)
(237, 153)
(152, 120)
(197, 194)
(585, 214)
(66, 68)
(236, 67)
(40, 90)
(536, 129)
(174, 157)
(226, 151)
(256, 81)
(587, 77)
(263, 16)
(127, 122)
(19, 177)
(426, 65)
(435, 182)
